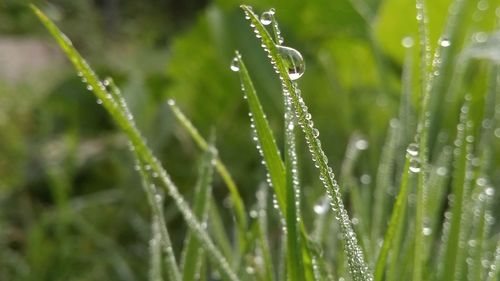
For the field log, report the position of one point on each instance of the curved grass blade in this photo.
(193, 253)
(356, 260)
(221, 168)
(282, 178)
(138, 144)
(264, 136)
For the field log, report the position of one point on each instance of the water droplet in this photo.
(235, 65)
(171, 102)
(407, 42)
(99, 101)
(267, 17)
(361, 144)
(489, 191)
(315, 132)
(412, 149)
(253, 214)
(427, 231)
(320, 208)
(89, 87)
(444, 42)
(293, 61)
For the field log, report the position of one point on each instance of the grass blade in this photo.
(395, 222)
(193, 253)
(460, 187)
(155, 269)
(356, 260)
(155, 200)
(138, 144)
(266, 144)
(239, 206)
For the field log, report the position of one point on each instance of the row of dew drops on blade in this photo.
(295, 67)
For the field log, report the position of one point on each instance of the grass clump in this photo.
(443, 198)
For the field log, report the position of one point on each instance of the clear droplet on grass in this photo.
(444, 42)
(293, 61)
(267, 17)
(412, 149)
(407, 42)
(235, 65)
(320, 208)
(361, 144)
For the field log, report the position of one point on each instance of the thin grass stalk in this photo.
(239, 205)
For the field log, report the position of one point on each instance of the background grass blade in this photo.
(193, 253)
(239, 205)
(137, 142)
(395, 222)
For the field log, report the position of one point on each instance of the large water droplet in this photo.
(293, 60)
(267, 17)
(235, 65)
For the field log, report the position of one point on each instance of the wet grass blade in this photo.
(282, 176)
(460, 193)
(138, 144)
(193, 253)
(155, 268)
(239, 206)
(356, 260)
(155, 199)
(266, 143)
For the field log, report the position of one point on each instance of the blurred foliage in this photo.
(67, 183)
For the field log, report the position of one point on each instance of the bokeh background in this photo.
(71, 204)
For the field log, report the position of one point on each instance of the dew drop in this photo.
(267, 17)
(320, 208)
(361, 144)
(293, 61)
(235, 65)
(315, 132)
(89, 87)
(99, 101)
(444, 42)
(412, 149)
(427, 231)
(407, 42)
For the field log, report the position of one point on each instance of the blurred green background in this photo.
(71, 205)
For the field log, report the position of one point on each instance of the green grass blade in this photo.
(155, 199)
(263, 234)
(239, 206)
(426, 76)
(137, 142)
(460, 194)
(356, 260)
(294, 240)
(219, 234)
(193, 253)
(384, 183)
(395, 222)
(155, 268)
(266, 143)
